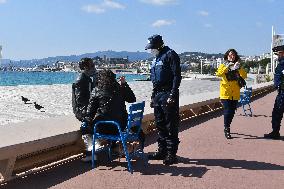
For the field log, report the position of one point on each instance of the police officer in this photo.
(278, 108)
(166, 78)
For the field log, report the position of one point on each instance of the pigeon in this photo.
(24, 99)
(37, 106)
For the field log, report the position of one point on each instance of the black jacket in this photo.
(83, 88)
(109, 104)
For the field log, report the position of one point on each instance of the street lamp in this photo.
(201, 66)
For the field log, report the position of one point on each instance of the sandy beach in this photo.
(56, 99)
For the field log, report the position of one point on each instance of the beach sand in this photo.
(56, 99)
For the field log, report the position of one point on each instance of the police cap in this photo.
(278, 48)
(154, 42)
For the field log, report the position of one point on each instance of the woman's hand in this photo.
(237, 65)
(234, 66)
(230, 65)
(122, 80)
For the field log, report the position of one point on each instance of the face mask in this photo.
(90, 71)
(155, 52)
(280, 55)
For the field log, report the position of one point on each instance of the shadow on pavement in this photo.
(50, 177)
(156, 167)
(254, 115)
(246, 136)
(234, 164)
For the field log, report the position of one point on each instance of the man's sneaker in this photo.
(272, 135)
(157, 156)
(170, 159)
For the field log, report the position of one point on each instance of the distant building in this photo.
(117, 61)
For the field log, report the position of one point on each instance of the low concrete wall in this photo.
(31, 144)
(27, 146)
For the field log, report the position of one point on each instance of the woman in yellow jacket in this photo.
(230, 71)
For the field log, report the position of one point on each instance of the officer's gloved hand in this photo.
(170, 100)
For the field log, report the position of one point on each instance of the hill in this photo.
(132, 56)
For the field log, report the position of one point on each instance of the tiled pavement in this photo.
(206, 159)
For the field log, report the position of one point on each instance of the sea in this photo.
(12, 78)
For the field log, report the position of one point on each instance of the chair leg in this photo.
(127, 156)
(93, 153)
(109, 154)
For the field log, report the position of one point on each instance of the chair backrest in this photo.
(135, 116)
(246, 95)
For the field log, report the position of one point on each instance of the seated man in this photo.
(107, 103)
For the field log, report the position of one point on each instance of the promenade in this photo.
(206, 159)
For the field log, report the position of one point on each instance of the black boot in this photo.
(273, 135)
(162, 152)
(170, 159)
(160, 155)
(227, 133)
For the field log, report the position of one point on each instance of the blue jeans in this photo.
(230, 107)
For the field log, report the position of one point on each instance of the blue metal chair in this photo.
(135, 116)
(245, 99)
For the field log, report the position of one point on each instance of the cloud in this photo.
(2, 1)
(159, 2)
(160, 23)
(102, 7)
(208, 25)
(203, 13)
(112, 4)
(93, 9)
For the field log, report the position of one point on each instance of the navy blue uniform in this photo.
(166, 78)
(278, 109)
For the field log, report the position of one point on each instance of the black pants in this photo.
(167, 122)
(277, 113)
(230, 107)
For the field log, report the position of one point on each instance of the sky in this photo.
(43, 28)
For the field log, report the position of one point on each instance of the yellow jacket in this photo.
(229, 89)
